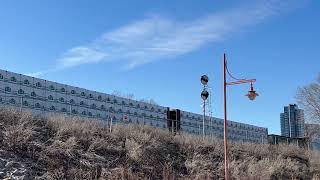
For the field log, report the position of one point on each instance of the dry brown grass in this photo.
(73, 148)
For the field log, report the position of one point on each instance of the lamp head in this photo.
(252, 94)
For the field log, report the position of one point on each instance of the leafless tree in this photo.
(150, 101)
(309, 98)
(117, 93)
(132, 97)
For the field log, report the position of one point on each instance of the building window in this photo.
(84, 113)
(12, 101)
(26, 82)
(74, 111)
(90, 114)
(115, 101)
(81, 103)
(13, 79)
(52, 108)
(135, 113)
(51, 87)
(123, 103)
(152, 109)
(99, 98)
(108, 99)
(93, 106)
(1, 76)
(71, 101)
(73, 92)
(90, 96)
(37, 105)
(61, 99)
(103, 107)
(83, 94)
(38, 84)
(138, 105)
(130, 104)
(50, 97)
(7, 89)
(120, 110)
(20, 91)
(25, 103)
(111, 109)
(146, 107)
(64, 110)
(33, 94)
(159, 110)
(63, 90)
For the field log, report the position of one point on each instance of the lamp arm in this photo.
(242, 81)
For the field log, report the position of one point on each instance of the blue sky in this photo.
(159, 49)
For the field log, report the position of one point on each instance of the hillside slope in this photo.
(73, 148)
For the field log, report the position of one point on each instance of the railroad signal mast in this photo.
(204, 96)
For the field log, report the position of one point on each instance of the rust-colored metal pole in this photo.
(226, 165)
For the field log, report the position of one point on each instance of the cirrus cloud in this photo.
(157, 38)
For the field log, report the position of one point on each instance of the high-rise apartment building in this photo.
(292, 121)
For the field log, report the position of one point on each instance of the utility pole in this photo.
(225, 135)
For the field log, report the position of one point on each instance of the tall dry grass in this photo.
(72, 148)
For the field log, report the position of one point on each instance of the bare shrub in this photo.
(65, 127)
(73, 148)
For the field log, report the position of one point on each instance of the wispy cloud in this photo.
(82, 55)
(157, 38)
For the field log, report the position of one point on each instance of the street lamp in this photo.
(251, 95)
